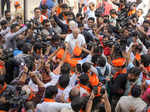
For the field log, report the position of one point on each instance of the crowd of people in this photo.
(97, 60)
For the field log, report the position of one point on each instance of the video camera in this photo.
(16, 98)
(123, 18)
(99, 90)
(8, 53)
(99, 11)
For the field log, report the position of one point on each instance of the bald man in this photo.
(75, 92)
(75, 38)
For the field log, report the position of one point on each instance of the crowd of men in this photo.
(97, 60)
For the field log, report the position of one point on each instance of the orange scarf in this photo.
(58, 10)
(59, 87)
(72, 73)
(2, 89)
(93, 79)
(85, 87)
(120, 72)
(32, 95)
(41, 19)
(81, 110)
(49, 100)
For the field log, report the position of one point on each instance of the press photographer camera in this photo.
(27, 60)
(99, 90)
(10, 95)
(35, 25)
(124, 15)
(118, 46)
(99, 11)
(15, 98)
(94, 43)
(7, 54)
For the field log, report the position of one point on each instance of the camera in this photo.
(99, 11)
(36, 25)
(99, 90)
(123, 18)
(108, 43)
(8, 53)
(16, 98)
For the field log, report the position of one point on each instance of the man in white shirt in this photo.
(91, 10)
(145, 6)
(49, 104)
(37, 16)
(75, 38)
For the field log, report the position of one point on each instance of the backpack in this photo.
(101, 76)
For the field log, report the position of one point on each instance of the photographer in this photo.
(37, 16)
(125, 102)
(118, 86)
(137, 42)
(5, 90)
(121, 85)
(103, 101)
(31, 95)
(47, 31)
(38, 52)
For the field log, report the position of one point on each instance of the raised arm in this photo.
(62, 25)
(36, 79)
(107, 103)
(13, 35)
(90, 103)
